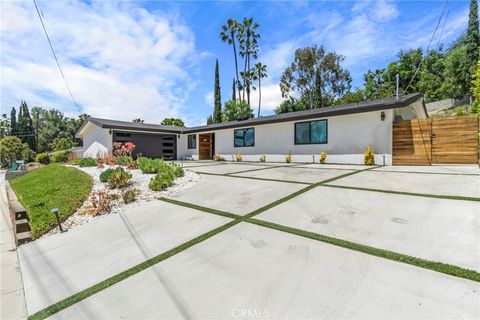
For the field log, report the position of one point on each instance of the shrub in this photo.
(108, 160)
(60, 156)
(369, 156)
(177, 170)
(262, 158)
(132, 164)
(101, 201)
(106, 174)
(42, 158)
(28, 154)
(11, 149)
(124, 160)
(460, 111)
(87, 162)
(217, 157)
(288, 158)
(129, 196)
(147, 165)
(323, 157)
(238, 157)
(59, 144)
(123, 148)
(118, 179)
(162, 180)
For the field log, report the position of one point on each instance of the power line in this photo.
(428, 47)
(55, 56)
(441, 32)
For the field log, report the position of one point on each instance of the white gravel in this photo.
(139, 182)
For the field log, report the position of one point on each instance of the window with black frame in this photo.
(311, 132)
(244, 137)
(192, 141)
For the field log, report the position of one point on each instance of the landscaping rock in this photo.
(138, 182)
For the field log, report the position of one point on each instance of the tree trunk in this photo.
(259, 95)
(236, 62)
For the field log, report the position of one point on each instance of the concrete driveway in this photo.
(275, 241)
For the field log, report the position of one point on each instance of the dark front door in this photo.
(206, 146)
(149, 144)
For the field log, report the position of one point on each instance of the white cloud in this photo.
(271, 98)
(209, 98)
(384, 11)
(121, 62)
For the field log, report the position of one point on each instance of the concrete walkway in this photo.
(12, 299)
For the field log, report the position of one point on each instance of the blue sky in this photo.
(152, 60)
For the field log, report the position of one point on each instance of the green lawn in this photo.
(53, 186)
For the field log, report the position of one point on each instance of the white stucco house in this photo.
(343, 132)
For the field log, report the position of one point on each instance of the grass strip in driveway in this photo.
(258, 169)
(200, 208)
(399, 257)
(67, 302)
(75, 298)
(426, 195)
(439, 173)
(251, 178)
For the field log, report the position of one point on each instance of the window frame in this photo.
(244, 131)
(194, 136)
(310, 132)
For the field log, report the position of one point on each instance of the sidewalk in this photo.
(12, 299)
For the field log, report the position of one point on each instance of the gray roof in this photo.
(351, 108)
(126, 125)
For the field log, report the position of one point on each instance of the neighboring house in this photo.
(343, 132)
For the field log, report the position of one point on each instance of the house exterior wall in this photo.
(348, 137)
(97, 142)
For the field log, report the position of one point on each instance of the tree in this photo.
(52, 124)
(260, 72)
(138, 120)
(292, 105)
(351, 97)
(4, 126)
(26, 131)
(173, 122)
(248, 40)
(11, 149)
(472, 40)
(209, 119)
(59, 144)
(299, 78)
(476, 90)
(217, 108)
(13, 121)
(234, 95)
(317, 91)
(229, 34)
(234, 110)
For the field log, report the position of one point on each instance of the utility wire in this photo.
(441, 32)
(428, 47)
(55, 56)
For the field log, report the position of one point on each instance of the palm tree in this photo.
(248, 39)
(259, 72)
(228, 35)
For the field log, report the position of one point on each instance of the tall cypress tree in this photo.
(472, 40)
(25, 126)
(317, 91)
(217, 109)
(20, 121)
(233, 91)
(13, 121)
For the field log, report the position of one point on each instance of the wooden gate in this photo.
(451, 140)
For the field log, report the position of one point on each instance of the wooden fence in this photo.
(452, 140)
